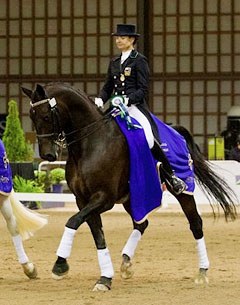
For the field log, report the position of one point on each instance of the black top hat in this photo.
(126, 30)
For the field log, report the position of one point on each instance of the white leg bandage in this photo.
(105, 263)
(143, 121)
(22, 256)
(131, 245)
(65, 247)
(202, 254)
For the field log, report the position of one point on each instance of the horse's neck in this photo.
(80, 114)
(75, 106)
(84, 124)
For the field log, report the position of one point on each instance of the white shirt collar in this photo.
(125, 55)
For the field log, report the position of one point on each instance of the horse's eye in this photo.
(46, 118)
(32, 113)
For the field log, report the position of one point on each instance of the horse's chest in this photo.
(76, 180)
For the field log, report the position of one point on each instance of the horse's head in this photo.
(45, 117)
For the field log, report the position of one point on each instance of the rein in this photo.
(61, 137)
(87, 130)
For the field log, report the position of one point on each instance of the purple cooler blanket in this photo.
(144, 184)
(5, 172)
(174, 146)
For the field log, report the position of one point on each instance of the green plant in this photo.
(26, 186)
(56, 175)
(17, 148)
(42, 179)
(22, 185)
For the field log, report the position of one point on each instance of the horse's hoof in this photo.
(30, 270)
(126, 270)
(104, 284)
(202, 278)
(59, 271)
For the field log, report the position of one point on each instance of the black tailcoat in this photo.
(130, 79)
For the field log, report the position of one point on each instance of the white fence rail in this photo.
(50, 197)
(48, 163)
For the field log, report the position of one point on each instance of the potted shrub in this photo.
(20, 152)
(42, 178)
(56, 176)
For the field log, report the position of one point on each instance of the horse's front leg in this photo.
(188, 205)
(7, 212)
(104, 259)
(61, 267)
(131, 245)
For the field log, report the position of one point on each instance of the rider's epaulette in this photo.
(134, 54)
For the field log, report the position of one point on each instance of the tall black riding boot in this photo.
(175, 183)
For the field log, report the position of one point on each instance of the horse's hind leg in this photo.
(6, 209)
(188, 205)
(131, 245)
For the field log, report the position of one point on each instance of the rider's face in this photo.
(124, 43)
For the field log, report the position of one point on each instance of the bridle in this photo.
(58, 137)
(61, 138)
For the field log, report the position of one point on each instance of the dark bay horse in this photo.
(97, 173)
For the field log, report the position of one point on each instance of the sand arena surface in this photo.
(165, 264)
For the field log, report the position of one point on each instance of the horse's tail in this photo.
(208, 179)
(28, 222)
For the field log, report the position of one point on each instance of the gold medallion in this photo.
(122, 78)
(127, 71)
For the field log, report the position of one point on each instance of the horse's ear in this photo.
(40, 91)
(27, 92)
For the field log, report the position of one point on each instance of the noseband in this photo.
(57, 134)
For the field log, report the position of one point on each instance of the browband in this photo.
(52, 102)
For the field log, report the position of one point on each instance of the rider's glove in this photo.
(126, 101)
(98, 102)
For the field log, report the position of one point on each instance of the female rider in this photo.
(128, 76)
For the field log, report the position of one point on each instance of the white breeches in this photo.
(143, 121)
